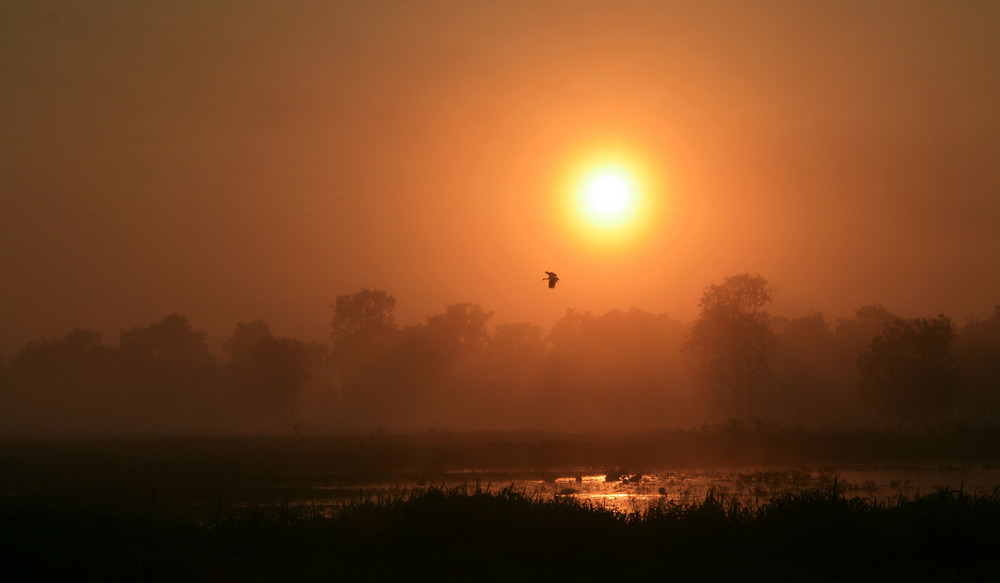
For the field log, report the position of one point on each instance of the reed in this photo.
(486, 534)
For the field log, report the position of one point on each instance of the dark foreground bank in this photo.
(448, 535)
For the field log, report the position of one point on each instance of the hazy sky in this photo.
(233, 160)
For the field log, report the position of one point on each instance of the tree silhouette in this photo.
(909, 371)
(284, 367)
(66, 383)
(267, 367)
(364, 337)
(854, 333)
(365, 314)
(169, 374)
(614, 370)
(803, 386)
(168, 346)
(977, 348)
(455, 346)
(461, 326)
(245, 338)
(730, 341)
(517, 354)
(61, 364)
(362, 329)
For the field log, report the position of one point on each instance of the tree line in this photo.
(621, 370)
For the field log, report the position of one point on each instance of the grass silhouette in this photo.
(483, 534)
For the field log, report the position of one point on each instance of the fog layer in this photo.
(622, 370)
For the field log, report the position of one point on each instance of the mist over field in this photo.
(626, 370)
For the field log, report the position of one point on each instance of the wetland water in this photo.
(198, 476)
(630, 492)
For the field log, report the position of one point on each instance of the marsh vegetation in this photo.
(912, 506)
(498, 534)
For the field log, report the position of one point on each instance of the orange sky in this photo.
(246, 159)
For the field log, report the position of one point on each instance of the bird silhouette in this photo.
(552, 277)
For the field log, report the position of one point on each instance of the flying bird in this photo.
(553, 278)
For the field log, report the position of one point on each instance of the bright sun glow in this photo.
(608, 198)
(608, 194)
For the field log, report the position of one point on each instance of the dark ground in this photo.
(210, 509)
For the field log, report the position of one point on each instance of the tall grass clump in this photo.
(482, 531)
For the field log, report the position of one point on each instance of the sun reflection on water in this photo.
(629, 493)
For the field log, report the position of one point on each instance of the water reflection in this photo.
(635, 492)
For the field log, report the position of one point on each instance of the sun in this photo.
(608, 197)
(608, 194)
